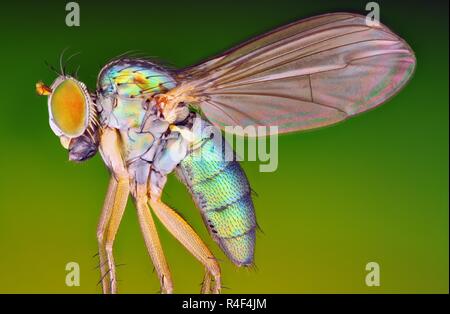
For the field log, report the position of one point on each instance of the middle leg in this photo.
(139, 172)
(151, 239)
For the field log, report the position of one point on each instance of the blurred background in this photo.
(372, 189)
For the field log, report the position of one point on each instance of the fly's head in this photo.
(72, 116)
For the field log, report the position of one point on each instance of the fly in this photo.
(144, 121)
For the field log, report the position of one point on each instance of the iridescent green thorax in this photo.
(134, 78)
(125, 88)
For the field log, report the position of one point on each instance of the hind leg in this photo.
(206, 284)
(184, 233)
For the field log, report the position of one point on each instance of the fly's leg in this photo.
(111, 150)
(120, 203)
(101, 230)
(183, 232)
(206, 284)
(151, 239)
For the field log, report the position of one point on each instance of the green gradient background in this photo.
(374, 188)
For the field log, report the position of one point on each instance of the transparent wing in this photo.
(305, 75)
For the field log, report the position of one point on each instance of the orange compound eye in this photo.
(69, 108)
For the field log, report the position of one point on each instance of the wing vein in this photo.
(275, 95)
(224, 85)
(293, 51)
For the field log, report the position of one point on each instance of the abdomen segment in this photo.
(221, 191)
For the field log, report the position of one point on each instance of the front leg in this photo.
(120, 202)
(114, 207)
(101, 230)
